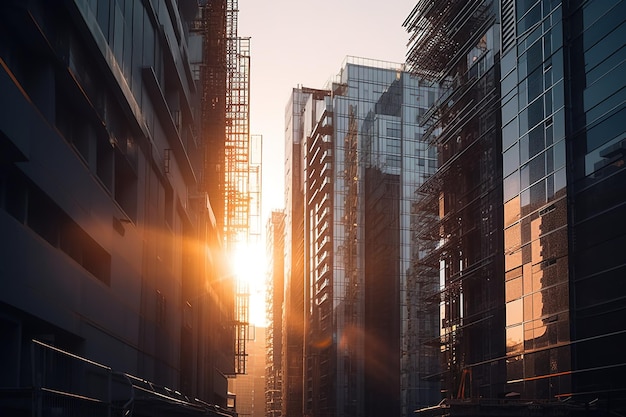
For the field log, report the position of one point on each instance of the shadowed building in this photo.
(110, 247)
(293, 302)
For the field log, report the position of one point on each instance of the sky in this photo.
(304, 43)
(294, 43)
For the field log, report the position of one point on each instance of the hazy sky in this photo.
(304, 43)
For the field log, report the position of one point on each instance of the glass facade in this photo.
(363, 158)
(293, 330)
(563, 97)
(557, 298)
(535, 204)
(596, 184)
(458, 216)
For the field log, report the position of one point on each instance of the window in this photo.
(394, 161)
(125, 185)
(394, 130)
(511, 160)
(32, 207)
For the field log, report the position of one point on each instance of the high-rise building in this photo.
(275, 293)
(361, 157)
(564, 97)
(460, 209)
(112, 279)
(293, 302)
(541, 82)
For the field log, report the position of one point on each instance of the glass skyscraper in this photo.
(596, 183)
(555, 285)
(535, 221)
(362, 159)
(564, 96)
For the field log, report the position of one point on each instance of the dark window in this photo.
(104, 163)
(606, 130)
(169, 205)
(511, 159)
(16, 197)
(535, 84)
(535, 113)
(607, 25)
(102, 16)
(43, 216)
(524, 5)
(48, 220)
(537, 195)
(533, 16)
(125, 185)
(606, 105)
(612, 62)
(537, 168)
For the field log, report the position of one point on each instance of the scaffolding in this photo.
(237, 164)
(457, 219)
(231, 179)
(442, 32)
(211, 25)
(225, 85)
(256, 189)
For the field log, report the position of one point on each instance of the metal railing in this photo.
(66, 384)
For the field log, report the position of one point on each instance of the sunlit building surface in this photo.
(541, 82)
(362, 159)
(111, 251)
(275, 294)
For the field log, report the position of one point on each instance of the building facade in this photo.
(293, 302)
(547, 80)
(563, 98)
(362, 158)
(103, 183)
(460, 210)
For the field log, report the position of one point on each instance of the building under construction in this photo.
(520, 223)
(232, 180)
(457, 220)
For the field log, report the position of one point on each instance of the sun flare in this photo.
(248, 265)
(250, 270)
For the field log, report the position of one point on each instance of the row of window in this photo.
(113, 159)
(30, 206)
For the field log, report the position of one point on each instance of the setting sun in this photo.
(250, 269)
